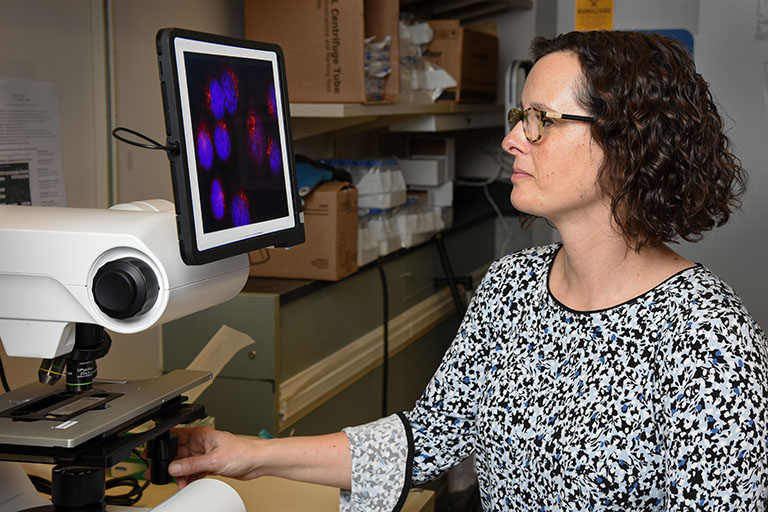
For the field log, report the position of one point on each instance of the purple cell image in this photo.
(221, 141)
(275, 157)
(229, 86)
(218, 201)
(257, 146)
(204, 149)
(216, 99)
(241, 215)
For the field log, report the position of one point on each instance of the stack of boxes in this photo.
(401, 203)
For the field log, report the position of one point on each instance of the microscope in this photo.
(69, 276)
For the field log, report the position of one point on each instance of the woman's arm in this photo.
(204, 451)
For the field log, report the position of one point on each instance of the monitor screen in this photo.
(226, 111)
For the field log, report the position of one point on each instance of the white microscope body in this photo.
(50, 259)
(118, 269)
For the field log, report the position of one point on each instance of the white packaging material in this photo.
(417, 227)
(367, 244)
(441, 195)
(380, 183)
(384, 230)
(383, 200)
(429, 171)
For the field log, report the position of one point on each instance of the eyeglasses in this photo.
(534, 121)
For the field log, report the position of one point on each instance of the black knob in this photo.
(78, 488)
(124, 288)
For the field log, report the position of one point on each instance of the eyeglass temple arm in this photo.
(572, 117)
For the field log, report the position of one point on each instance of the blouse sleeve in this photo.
(715, 397)
(443, 419)
(381, 460)
(392, 454)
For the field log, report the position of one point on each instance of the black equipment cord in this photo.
(170, 148)
(385, 364)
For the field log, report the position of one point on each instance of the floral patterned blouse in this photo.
(656, 404)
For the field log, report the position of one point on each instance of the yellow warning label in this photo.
(594, 15)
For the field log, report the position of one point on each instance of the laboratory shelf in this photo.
(311, 119)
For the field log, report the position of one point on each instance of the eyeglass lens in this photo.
(531, 122)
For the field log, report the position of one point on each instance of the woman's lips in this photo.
(518, 174)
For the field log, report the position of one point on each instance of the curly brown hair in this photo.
(668, 166)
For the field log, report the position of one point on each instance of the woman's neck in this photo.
(598, 270)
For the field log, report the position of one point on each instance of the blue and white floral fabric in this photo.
(656, 404)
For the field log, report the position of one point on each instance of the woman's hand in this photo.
(204, 451)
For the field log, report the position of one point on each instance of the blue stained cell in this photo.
(216, 99)
(204, 149)
(222, 142)
(624, 407)
(275, 157)
(217, 199)
(229, 91)
(241, 214)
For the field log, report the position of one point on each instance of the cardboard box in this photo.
(470, 56)
(323, 42)
(330, 250)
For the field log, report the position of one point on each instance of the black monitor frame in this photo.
(203, 236)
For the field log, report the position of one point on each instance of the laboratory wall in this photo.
(63, 43)
(70, 43)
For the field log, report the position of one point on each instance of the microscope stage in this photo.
(113, 406)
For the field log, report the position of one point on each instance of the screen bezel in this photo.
(197, 246)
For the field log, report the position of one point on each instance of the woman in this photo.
(606, 372)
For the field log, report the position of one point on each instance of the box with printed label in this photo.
(330, 250)
(324, 45)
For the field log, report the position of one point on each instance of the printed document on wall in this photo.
(30, 144)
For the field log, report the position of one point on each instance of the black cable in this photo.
(385, 364)
(171, 148)
(3, 378)
(458, 302)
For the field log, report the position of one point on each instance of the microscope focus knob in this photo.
(125, 288)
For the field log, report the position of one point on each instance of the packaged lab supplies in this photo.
(380, 183)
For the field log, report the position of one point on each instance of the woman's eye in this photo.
(545, 121)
